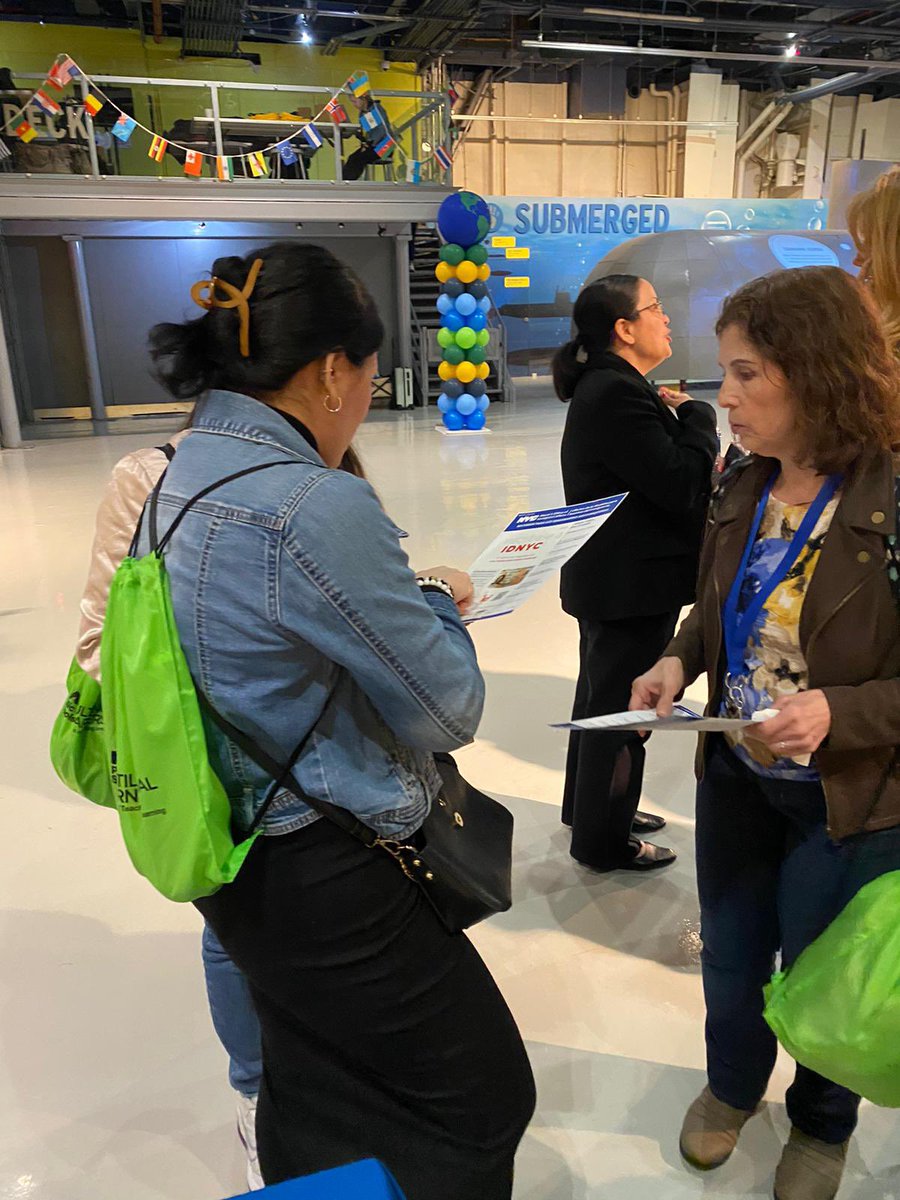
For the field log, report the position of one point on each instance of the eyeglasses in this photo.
(656, 306)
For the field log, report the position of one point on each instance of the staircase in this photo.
(424, 290)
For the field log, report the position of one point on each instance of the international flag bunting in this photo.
(336, 110)
(47, 103)
(413, 171)
(288, 154)
(443, 157)
(193, 162)
(370, 120)
(385, 146)
(92, 104)
(124, 127)
(158, 148)
(62, 73)
(453, 94)
(258, 164)
(359, 84)
(26, 132)
(312, 136)
(224, 168)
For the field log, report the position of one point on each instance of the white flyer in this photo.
(530, 549)
(682, 718)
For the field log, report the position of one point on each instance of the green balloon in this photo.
(478, 255)
(484, 336)
(466, 337)
(452, 254)
(454, 355)
(446, 338)
(476, 355)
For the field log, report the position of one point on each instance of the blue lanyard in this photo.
(738, 629)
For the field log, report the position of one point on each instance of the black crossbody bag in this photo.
(461, 858)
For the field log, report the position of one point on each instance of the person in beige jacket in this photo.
(230, 1004)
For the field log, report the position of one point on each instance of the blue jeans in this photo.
(233, 1015)
(770, 879)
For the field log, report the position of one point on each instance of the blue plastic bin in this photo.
(367, 1180)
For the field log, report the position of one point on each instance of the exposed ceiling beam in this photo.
(801, 29)
(862, 64)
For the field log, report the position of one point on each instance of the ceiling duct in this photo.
(597, 90)
(213, 28)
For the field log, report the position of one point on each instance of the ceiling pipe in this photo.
(760, 138)
(862, 64)
(800, 28)
(753, 126)
(839, 84)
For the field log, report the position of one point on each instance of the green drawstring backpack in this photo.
(837, 1010)
(136, 741)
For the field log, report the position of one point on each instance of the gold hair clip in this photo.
(203, 292)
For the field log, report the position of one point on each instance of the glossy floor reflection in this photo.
(112, 1084)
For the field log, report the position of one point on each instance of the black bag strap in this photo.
(283, 777)
(168, 450)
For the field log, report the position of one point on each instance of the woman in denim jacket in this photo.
(383, 1035)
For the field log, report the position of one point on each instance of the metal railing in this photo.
(215, 132)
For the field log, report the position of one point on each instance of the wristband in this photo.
(431, 583)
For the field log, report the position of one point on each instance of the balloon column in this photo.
(463, 222)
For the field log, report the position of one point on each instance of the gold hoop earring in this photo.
(327, 406)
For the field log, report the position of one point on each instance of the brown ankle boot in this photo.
(809, 1169)
(710, 1131)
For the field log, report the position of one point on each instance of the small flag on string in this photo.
(452, 93)
(92, 104)
(336, 110)
(370, 120)
(288, 154)
(224, 168)
(47, 103)
(193, 162)
(158, 148)
(62, 73)
(385, 146)
(258, 164)
(443, 157)
(311, 134)
(358, 84)
(413, 171)
(26, 132)
(124, 127)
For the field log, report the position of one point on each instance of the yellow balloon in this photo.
(482, 371)
(446, 371)
(466, 372)
(484, 272)
(444, 271)
(466, 272)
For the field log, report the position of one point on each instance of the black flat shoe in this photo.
(649, 858)
(647, 823)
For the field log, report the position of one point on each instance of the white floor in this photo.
(112, 1084)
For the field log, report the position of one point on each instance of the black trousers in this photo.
(357, 162)
(383, 1035)
(604, 771)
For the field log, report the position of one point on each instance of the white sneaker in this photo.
(246, 1127)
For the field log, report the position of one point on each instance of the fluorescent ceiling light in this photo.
(658, 18)
(861, 64)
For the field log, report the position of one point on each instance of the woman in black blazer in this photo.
(628, 583)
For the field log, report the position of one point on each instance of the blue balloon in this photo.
(453, 288)
(485, 304)
(476, 388)
(477, 320)
(444, 402)
(444, 305)
(484, 403)
(466, 304)
(454, 389)
(466, 404)
(476, 420)
(452, 321)
(453, 421)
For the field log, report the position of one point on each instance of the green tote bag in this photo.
(837, 1010)
(77, 745)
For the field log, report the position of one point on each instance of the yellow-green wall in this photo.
(27, 47)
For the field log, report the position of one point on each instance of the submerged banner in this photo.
(542, 250)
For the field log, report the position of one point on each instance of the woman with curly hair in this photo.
(796, 612)
(873, 219)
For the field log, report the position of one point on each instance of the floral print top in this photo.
(774, 662)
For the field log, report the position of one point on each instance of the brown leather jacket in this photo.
(849, 632)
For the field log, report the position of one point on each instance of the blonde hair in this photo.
(873, 219)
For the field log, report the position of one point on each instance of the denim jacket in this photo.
(290, 588)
